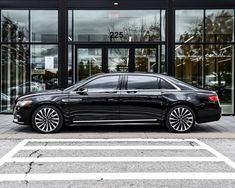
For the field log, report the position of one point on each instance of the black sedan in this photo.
(119, 98)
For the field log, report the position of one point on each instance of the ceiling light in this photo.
(115, 4)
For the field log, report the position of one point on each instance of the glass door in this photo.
(146, 60)
(93, 59)
(88, 62)
(133, 58)
(118, 59)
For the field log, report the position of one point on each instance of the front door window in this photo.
(103, 84)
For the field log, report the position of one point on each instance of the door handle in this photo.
(110, 91)
(131, 91)
(65, 100)
(75, 100)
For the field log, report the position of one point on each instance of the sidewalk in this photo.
(224, 128)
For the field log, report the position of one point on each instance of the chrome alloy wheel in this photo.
(47, 119)
(181, 119)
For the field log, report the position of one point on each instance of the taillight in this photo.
(213, 98)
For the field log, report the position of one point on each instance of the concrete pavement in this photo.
(224, 128)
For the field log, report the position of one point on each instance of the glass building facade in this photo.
(54, 43)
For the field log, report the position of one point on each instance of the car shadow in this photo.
(201, 128)
(115, 128)
(150, 128)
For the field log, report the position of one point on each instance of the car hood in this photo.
(30, 95)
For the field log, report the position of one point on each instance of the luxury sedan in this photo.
(115, 98)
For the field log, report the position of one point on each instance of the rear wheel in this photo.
(47, 119)
(180, 119)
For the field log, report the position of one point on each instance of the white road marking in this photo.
(217, 154)
(114, 176)
(112, 159)
(146, 147)
(9, 157)
(12, 152)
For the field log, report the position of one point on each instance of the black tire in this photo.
(47, 119)
(180, 119)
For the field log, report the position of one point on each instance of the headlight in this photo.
(25, 103)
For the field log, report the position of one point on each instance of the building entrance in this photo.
(92, 59)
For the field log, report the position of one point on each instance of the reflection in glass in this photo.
(117, 25)
(14, 74)
(218, 71)
(44, 65)
(189, 64)
(70, 65)
(145, 60)
(163, 67)
(118, 59)
(189, 26)
(70, 28)
(163, 25)
(218, 58)
(219, 25)
(89, 62)
(103, 84)
(142, 82)
(15, 25)
(44, 25)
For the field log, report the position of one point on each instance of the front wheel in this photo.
(180, 119)
(47, 119)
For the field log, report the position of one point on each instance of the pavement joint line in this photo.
(217, 154)
(145, 147)
(114, 176)
(112, 159)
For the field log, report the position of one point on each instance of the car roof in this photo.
(133, 73)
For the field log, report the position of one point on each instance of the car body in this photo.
(118, 98)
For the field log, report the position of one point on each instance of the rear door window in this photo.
(142, 82)
(165, 85)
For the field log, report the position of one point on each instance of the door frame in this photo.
(104, 47)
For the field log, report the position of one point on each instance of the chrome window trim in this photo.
(122, 75)
(144, 90)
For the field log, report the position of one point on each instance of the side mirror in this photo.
(82, 91)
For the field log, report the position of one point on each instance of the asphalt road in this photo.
(118, 156)
(117, 163)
